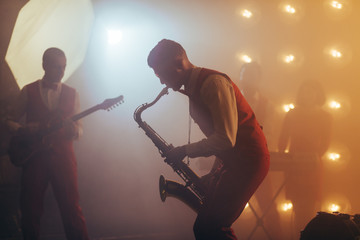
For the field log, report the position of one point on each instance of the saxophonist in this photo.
(232, 133)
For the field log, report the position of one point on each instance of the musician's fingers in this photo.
(13, 126)
(71, 129)
(176, 154)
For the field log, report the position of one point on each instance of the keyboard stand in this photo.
(259, 220)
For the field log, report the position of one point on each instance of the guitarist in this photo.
(55, 163)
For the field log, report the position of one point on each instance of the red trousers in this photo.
(60, 170)
(231, 189)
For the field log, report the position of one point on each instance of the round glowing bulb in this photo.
(290, 9)
(335, 53)
(288, 107)
(334, 157)
(287, 206)
(336, 4)
(334, 105)
(334, 207)
(289, 58)
(246, 13)
(246, 58)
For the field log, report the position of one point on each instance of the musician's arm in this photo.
(218, 95)
(73, 129)
(79, 128)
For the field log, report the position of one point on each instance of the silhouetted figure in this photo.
(43, 103)
(250, 82)
(232, 134)
(9, 181)
(306, 132)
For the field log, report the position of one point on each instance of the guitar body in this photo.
(25, 144)
(22, 147)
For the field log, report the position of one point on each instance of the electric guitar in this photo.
(24, 144)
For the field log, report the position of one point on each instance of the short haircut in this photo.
(51, 52)
(165, 50)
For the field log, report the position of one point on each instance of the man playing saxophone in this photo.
(232, 134)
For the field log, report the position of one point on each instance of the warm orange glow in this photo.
(289, 58)
(244, 58)
(340, 9)
(334, 104)
(286, 206)
(334, 207)
(288, 107)
(336, 203)
(334, 156)
(338, 157)
(339, 104)
(335, 53)
(336, 4)
(246, 13)
(289, 9)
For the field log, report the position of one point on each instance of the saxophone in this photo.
(193, 192)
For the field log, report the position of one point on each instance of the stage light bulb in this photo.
(246, 58)
(287, 206)
(289, 58)
(288, 107)
(334, 105)
(246, 13)
(334, 157)
(114, 36)
(335, 53)
(290, 9)
(334, 207)
(336, 4)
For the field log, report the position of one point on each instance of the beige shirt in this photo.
(50, 98)
(219, 96)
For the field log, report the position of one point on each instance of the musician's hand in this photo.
(176, 154)
(208, 179)
(71, 130)
(13, 126)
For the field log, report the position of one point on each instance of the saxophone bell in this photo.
(174, 189)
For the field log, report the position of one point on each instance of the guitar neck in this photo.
(73, 118)
(106, 105)
(85, 113)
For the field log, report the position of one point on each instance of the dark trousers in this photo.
(60, 170)
(231, 189)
